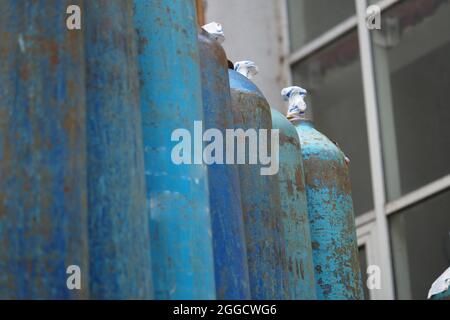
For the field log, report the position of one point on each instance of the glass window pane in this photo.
(309, 19)
(363, 265)
(420, 239)
(333, 78)
(412, 68)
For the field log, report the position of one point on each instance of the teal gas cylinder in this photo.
(260, 194)
(177, 192)
(119, 245)
(230, 257)
(294, 211)
(330, 207)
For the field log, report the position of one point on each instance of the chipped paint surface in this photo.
(230, 257)
(171, 98)
(260, 200)
(119, 241)
(330, 209)
(294, 211)
(43, 205)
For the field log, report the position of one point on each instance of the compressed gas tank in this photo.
(260, 194)
(330, 207)
(119, 243)
(440, 289)
(230, 257)
(171, 100)
(294, 211)
(43, 207)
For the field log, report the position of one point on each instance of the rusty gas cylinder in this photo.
(260, 193)
(230, 257)
(330, 206)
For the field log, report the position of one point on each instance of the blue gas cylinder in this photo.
(260, 193)
(330, 207)
(119, 243)
(294, 211)
(230, 257)
(177, 192)
(43, 207)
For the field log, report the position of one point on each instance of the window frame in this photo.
(372, 227)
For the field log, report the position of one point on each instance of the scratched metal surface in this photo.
(260, 200)
(119, 240)
(332, 223)
(230, 256)
(171, 98)
(43, 205)
(294, 211)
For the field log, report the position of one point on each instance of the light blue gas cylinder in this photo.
(43, 206)
(177, 193)
(260, 193)
(119, 242)
(330, 207)
(294, 211)
(230, 257)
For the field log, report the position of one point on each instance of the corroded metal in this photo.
(171, 98)
(332, 223)
(43, 205)
(294, 211)
(260, 199)
(230, 257)
(119, 243)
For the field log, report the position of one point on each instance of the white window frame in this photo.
(367, 237)
(372, 227)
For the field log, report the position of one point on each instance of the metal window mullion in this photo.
(375, 151)
(323, 40)
(330, 35)
(419, 195)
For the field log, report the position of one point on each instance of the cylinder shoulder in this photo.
(213, 48)
(286, 128)
(314, 143)
(239, 82)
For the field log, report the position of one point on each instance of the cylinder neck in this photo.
(307, 116)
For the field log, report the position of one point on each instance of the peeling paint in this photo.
(43, 219)
(171, 98)
(331, 217)
(260, 200)
(230, 257)
(294, 211)
(119, 240)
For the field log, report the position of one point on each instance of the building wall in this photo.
(254, 31)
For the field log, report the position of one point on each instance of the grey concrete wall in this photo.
(254, 30)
